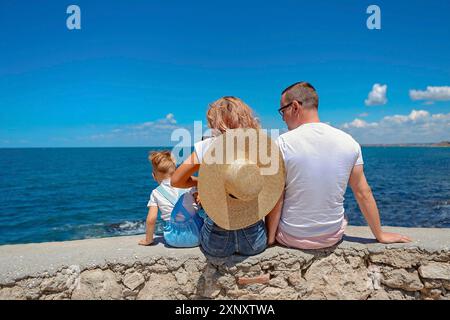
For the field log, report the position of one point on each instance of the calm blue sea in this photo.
(65, 194)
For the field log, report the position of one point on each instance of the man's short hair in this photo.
(302, 92)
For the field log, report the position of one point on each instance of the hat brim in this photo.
(230, 213)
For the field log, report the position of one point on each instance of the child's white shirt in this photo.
(164, 205)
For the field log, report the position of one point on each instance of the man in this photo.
(320, 162)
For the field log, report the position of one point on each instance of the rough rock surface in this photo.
(117, 268)
(97, 284)
(435, 270)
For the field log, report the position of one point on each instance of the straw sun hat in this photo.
(241, 178)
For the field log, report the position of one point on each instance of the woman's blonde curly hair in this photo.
(230, 113)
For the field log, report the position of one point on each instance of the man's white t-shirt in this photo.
(164, 205)
(319, 160)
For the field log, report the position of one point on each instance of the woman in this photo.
(223, 114)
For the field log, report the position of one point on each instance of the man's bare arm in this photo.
(272, 220)
(368, 206)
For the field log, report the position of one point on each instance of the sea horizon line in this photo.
(408, 144)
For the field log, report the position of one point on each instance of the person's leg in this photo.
(252, 240)
(215, 241)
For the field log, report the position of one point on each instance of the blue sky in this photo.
(137, 70)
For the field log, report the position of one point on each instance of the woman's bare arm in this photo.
(182, 177)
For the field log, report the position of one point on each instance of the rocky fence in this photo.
(117, 268)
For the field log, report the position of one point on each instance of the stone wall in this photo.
(117, 268)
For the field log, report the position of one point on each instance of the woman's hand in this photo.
(388, 237)
(145, 242)
(197, 198)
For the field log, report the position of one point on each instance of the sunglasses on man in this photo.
(281, 110)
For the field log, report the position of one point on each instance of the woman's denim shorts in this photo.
(219, 242)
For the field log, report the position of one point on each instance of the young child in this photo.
(165, 197)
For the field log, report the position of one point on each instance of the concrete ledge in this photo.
(117, 268)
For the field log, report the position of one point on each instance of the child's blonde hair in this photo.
(230, 113)
(163, 163)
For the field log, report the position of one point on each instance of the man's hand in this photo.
(388, 237)
(144, 242)
(270, 241)
(366, 201)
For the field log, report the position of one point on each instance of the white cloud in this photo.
(431, 94)
(441, 116)
(358, 123)
(154, 131)
(168, 122)
(171, 118)
(363, 115)
(417, 126)
(396, 119)
(377, 96)
(415, 115)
